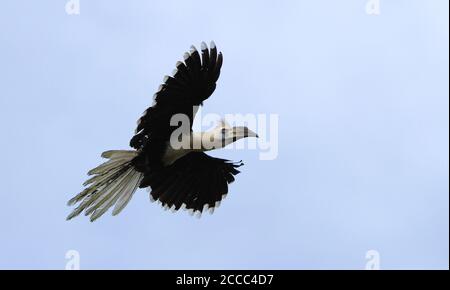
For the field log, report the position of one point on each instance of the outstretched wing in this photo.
(193, 81)
(195, 182)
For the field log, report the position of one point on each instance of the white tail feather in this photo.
(114, 183)
(110, 190)
(128, 193)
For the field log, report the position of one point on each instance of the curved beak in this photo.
(243, 132)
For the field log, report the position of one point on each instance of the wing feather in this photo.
(193, 82)
(196, 180)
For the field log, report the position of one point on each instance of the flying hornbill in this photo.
(178, 176)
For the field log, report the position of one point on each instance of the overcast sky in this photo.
(362, 102)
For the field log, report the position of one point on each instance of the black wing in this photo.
(193, 181)
(192, 83)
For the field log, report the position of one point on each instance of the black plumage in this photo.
(195, 180)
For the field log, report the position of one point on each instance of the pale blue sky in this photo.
(363, 132)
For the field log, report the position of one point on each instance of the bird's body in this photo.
(169, 158)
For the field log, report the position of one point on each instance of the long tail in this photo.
(113, 183)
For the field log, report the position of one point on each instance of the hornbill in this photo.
(179, 177)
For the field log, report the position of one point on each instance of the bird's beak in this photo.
(244, 132)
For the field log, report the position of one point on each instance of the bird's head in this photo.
(226, 134)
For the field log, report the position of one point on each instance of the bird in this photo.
(177, 177)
